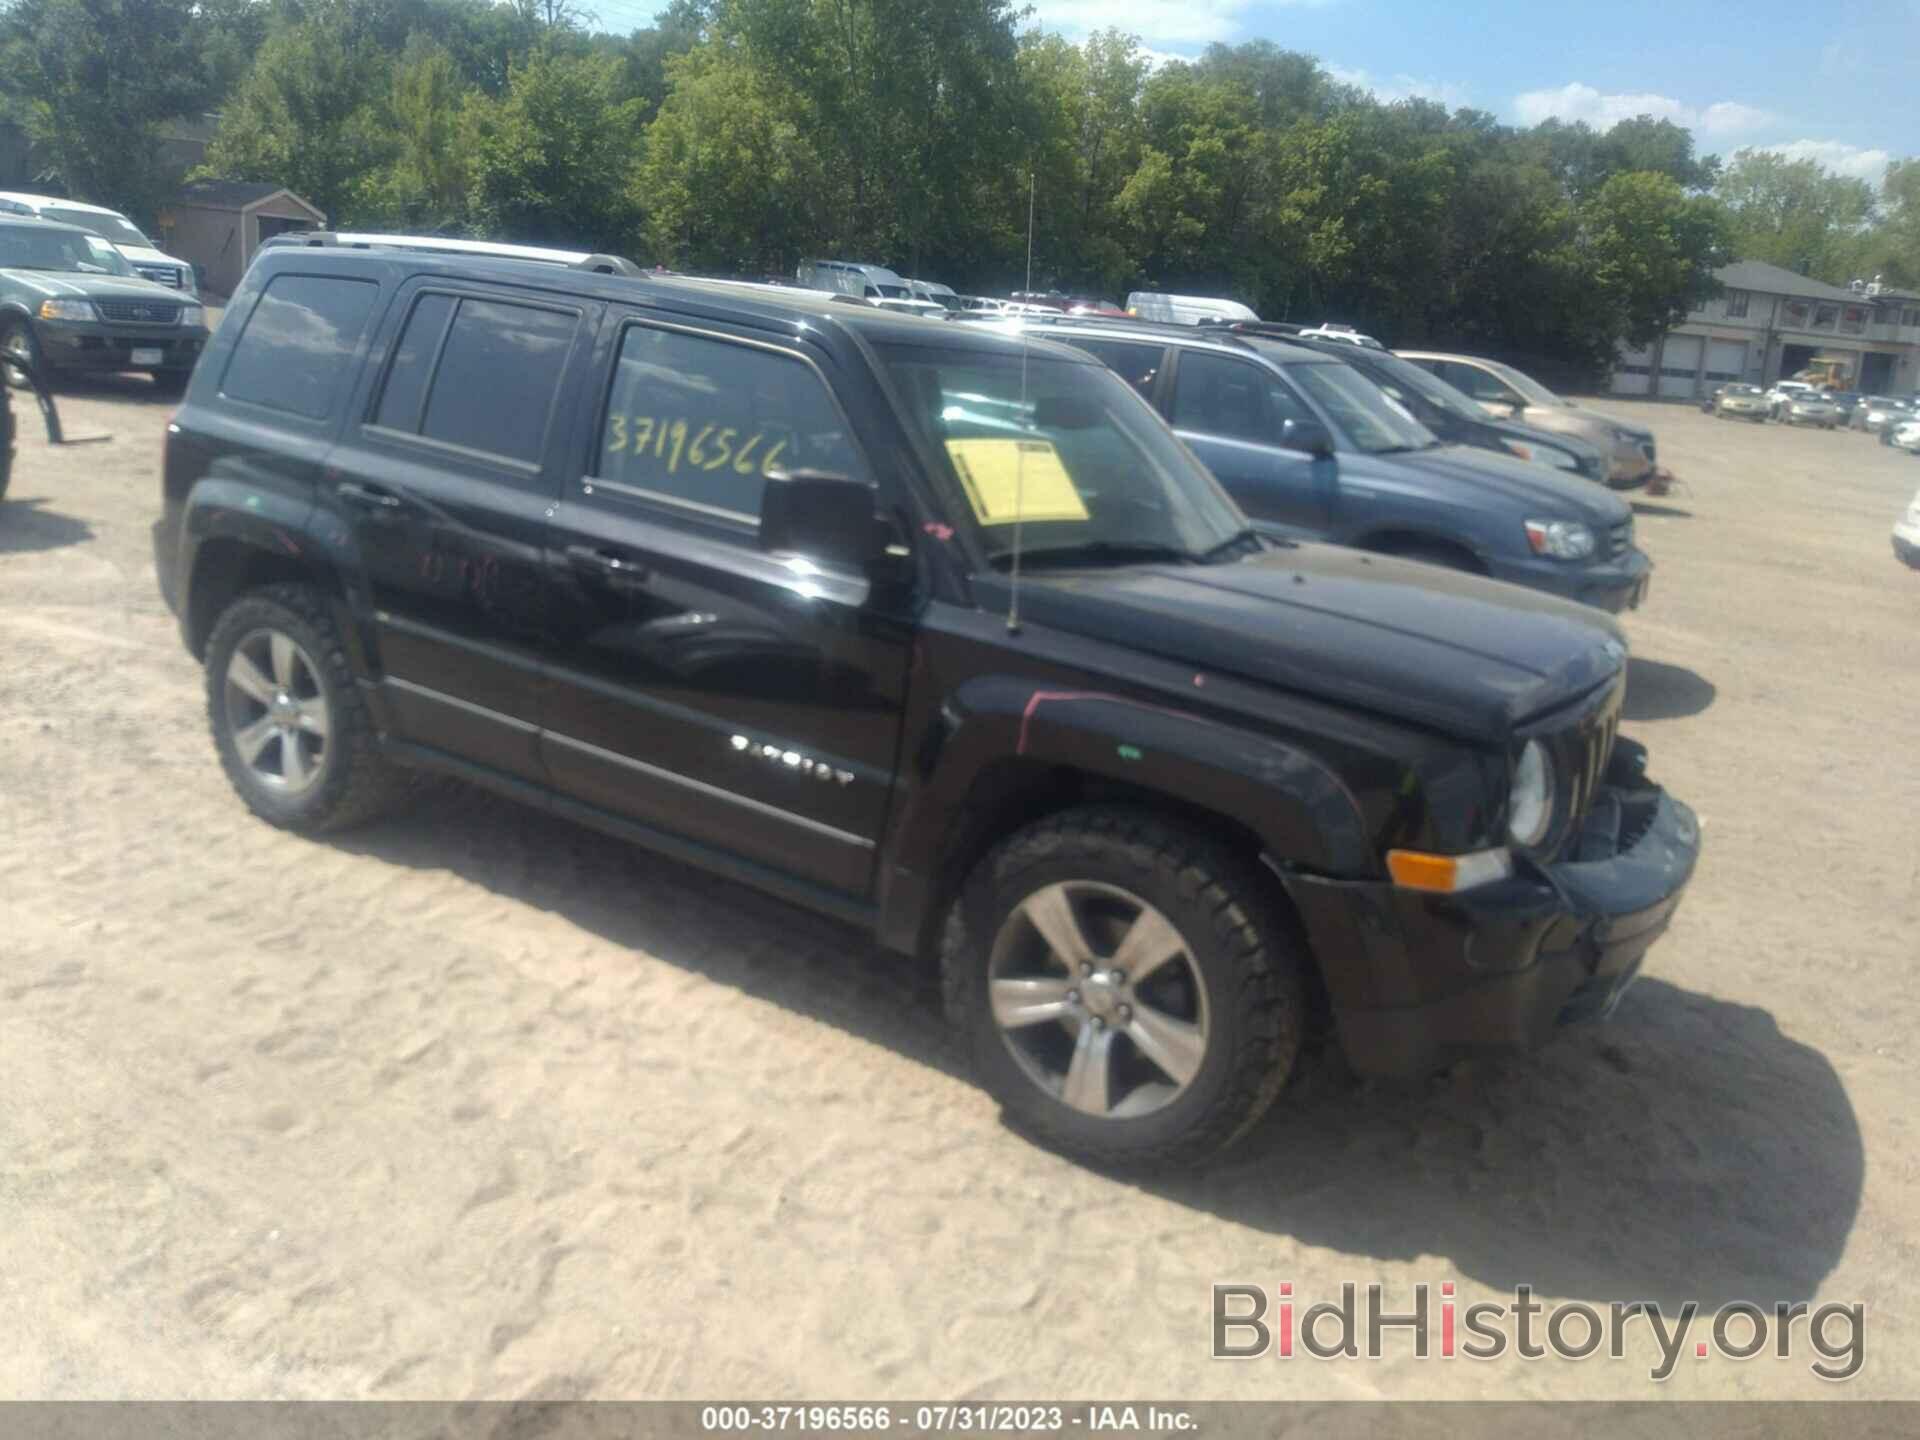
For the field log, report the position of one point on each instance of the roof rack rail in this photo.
(453, 245)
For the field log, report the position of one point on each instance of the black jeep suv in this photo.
(937, 630)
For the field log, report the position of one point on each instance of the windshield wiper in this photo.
(1099, 551)
(1239, 540)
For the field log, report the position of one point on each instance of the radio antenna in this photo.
(1019, 446)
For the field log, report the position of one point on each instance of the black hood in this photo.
(1449, 651)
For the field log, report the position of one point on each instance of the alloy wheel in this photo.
(1097, 996)
(277, 712)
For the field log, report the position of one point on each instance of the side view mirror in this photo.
(1308, 435)
(823, 517)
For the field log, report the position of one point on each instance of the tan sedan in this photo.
(1512, 394)
(1742, 402)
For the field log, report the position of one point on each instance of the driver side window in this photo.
(1217, 395)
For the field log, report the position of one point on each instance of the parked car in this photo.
(729, 571)
(934, 293)
(1742, 402)
(1783, 393)
(1904, 436)
(852, 277)
(1344, 334)
(1882, 411)
(1813, 408)
(62, 306)
(1514, 395)
(1906, 534)
(1093, 305)
(1848, 402)
(1185, 309)
(1448, 413)
(147, 259)
(1310, 447)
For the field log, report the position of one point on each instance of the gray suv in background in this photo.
(1311, 449)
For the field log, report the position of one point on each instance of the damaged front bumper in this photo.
(1417, 980)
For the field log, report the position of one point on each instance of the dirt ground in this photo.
(477, 1104)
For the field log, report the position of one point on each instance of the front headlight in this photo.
(192, 315)
(68, 310)
(1562, 539)
(1530, 801)
(1556, 459)
(1625, 437)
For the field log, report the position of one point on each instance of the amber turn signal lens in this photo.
(1447, 874)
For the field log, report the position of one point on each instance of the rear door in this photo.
(445, 483)
(1233, 413)
(697, 686)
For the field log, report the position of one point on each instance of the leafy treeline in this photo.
(742, 135)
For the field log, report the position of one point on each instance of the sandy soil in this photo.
(474, 1103)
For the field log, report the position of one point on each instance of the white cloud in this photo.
(1165, 27)
(1389, 88)
(1575, 101)
(1841, 158)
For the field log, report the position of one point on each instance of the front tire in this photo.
(20, 352)
(291, 727)
(1128, 988)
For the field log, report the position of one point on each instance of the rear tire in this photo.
(1215, 987)
(6, 440)
(289, 722)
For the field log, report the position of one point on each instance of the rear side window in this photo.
(296, 353)
(705, 421)
(1138, 365)
(479, 374)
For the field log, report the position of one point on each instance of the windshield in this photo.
(1743, 390)
(894, 292)
(1392, 374)
(1371, 422)
(35, 249)
(116, 228)
(1525, 384)
(108, 258)
(1064, 446)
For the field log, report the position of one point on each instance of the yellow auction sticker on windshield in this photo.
(1009, 480)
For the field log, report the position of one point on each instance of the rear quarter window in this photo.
(296, 353)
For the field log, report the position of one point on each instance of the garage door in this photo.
(1634, 374)
(1680, 366)
(1726, 360)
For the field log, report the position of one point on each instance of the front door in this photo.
(445, 481)
(1233, 414)
(698, 686)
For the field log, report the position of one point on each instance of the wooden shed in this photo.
(218, 224)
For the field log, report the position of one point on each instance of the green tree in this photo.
(553, 158)
(1650, 251)
(1794, 213)
(307, 116)
(425, 185)
(92, 80)
(730, 181)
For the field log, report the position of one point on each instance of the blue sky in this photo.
(1838, 82)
